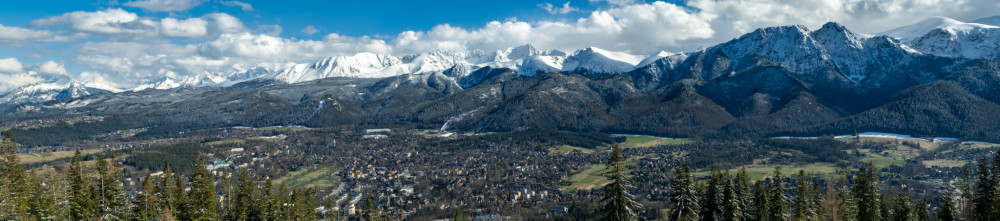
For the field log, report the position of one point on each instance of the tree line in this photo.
(96, 191)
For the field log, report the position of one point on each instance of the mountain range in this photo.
(938, 77)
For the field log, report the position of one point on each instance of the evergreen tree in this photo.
(269, 201)
(620, 204)
(832, 205)
(243, 203)
(458, 216)
(683, 196)
(947, 211)
(112, 205)
(711, 200)
(81, 203)
(984, 199)
(866, 195)
(965, 187)
(902, 208)
(802, 203)
(776, 199)
(14, 180)
(743, 192)
(732, 210)
(166, 191)
(41, 202)
(201, 199)
(147, 201)
(759, 210)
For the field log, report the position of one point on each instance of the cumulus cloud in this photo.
(310, 30)
(615, 2)
(565, 9)
(118, 24)
(274, 30)
(17, 35)
(244, 6)
(10, 65)
(164, 5)
(50, 67)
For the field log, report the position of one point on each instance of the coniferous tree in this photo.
(777, 208)
(711, 200)
(965, 197)
(902, 208)
(165, 191)
(985, 196)
(619, 203)
(683, 196)
(947, 211)
(458, 216)
(41, 202)
(201, 199)
(81, 203)
(732, 210)
(269, 202)
(744, 192)
(759, 211)
(866, 195)
(802, 203)
(831, 207)
(14, 180)
(243, 203)
(147, 201)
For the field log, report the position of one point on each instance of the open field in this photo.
(566, 149)
(759, 172)
(225, 142)
(643, 141)
(944, 163)
(880, 161)
(51, 156)
(316, 176)
(590, 178)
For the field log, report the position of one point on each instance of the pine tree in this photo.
(802, 203)
(81, 203)
(832, 205)
(458, 216)
(111, 205)
(984, 204)
(147, 201)
(948, 211)
(759, 210)
(965, 187)
(41, 203)
(743, 192)
(711, 200)
(777, 201)
(269, 202)
(243, 203)
(202, 199)
(683, 196)
(732, 210)
(866, 195)
(902, 208)
(14, 180)
(620, 204)
(165, 191)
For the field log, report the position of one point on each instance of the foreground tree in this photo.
(14, 182)
(684, 196)
(620, 204)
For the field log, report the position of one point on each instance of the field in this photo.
(52, 156)
(309, 177)
(880, 161)
(944, 163)
(566, 149)
(644, 141)
(759, 172)
(590, 178)
(226, 142)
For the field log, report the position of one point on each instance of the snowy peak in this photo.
(947, 37)
(60, 88)
(596, 60)
(358, 65)
(994, 21)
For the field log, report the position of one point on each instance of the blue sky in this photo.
(128, 42)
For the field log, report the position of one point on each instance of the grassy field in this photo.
(590, 178)
(225, 142)
(759, 172)
(565, 149)
(309, 177)
(642, 141)
(945, 163)
(51, 156)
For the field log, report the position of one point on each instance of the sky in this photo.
(128, 42)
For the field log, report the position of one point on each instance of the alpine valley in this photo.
(936, 78)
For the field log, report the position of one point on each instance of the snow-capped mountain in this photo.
(600, 61)
(60, 88)
(951, 38)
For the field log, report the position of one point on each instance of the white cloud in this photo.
(615, 2)
(10, 65)
(99, 78)
(16, 34)
(225, 23)
(110, 21)
(50, 67)
(310, 30)
(164, 5)
(244, 6)
(565, 9)
(274, 30)
(192, 27)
